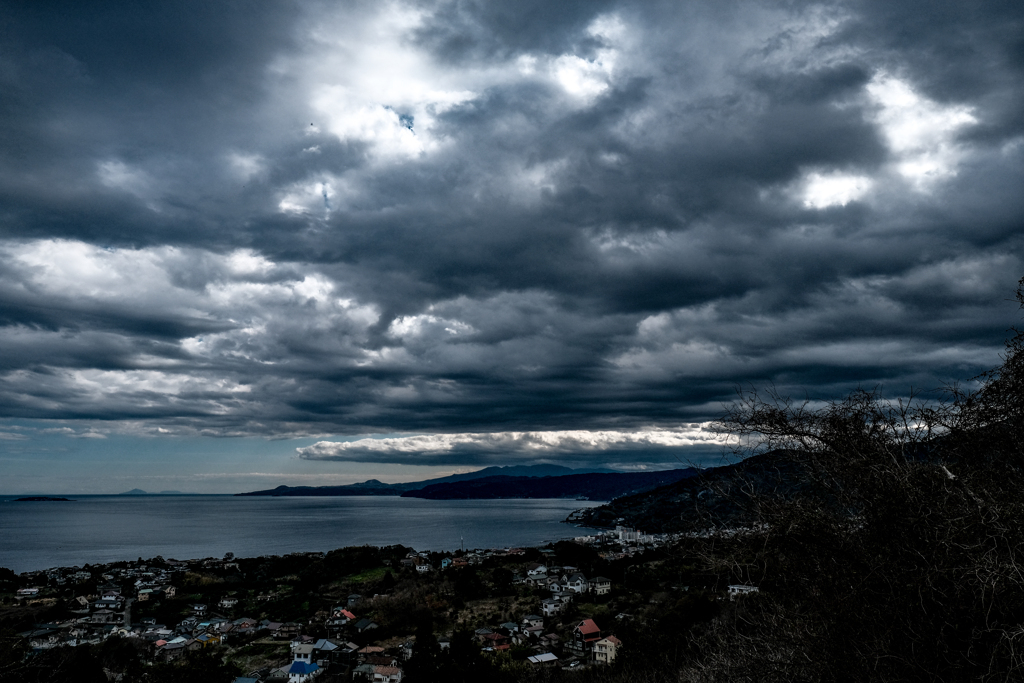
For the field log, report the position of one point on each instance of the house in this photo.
(601, 586)
(535, 570)
(144, 595)
(208, 640)
(584, 635)
(289, 631)
(738, 590)
(198, 609)
(533, 632)
(387, 674)
(446, 562)
(605, 650)
(545, 658)
(302, 653)
(549, 641)
(324, 652)
(555, 604)
(27, 592)
(299, 672)
(171, 651)
(363, 672)
(103, 616)
(532, 620)
(108, 603)
(367, 655)
(494, 641)
(227, 603)
(342, 615)
(245, 626)
(577, 583)
(365, 624)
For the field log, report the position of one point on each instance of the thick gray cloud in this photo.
(464, 217)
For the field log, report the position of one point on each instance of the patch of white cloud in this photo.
(801, 41)
(529, 183)
(366, 82)
(246, 166)
(921, 133)
(408, 326)
(586, 78)
(65, 267)
(822, 190)
(582, 78)
(310, 197)
(352, 119)
(248, 262)
(117, 175)
(529, 444)
(691, 358)
(253, 308)
(642, 244)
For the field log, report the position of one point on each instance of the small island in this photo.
(37, 499)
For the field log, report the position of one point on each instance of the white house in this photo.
(605, 650)
(737, 590)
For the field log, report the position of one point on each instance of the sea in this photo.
(99, 529)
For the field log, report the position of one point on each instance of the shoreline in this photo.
(102, 530)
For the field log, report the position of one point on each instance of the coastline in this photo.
(104, 529)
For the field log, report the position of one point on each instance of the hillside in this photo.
(716, 496)
(590, 486)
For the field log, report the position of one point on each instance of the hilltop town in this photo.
(363, 613)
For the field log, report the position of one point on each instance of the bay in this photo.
(100, 529)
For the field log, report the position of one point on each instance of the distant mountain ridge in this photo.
(513, 481)
(590, 485)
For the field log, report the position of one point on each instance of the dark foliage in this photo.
(898, 559)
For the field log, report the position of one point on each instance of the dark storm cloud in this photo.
(476, 217)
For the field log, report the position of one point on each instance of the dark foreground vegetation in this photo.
(886, 539)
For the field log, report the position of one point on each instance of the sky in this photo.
(245, 244)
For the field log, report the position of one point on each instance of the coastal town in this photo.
(354, 614)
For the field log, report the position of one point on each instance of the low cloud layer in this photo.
(656, 446)
(469, 220)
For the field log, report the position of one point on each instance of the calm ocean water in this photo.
(93, 529)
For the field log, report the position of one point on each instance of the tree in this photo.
(197, 667)
(426, 652)
(898, 556)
